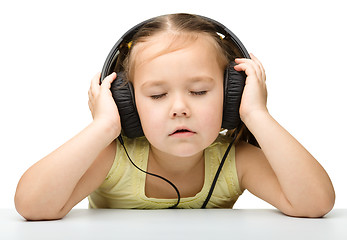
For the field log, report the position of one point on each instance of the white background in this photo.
(50, 50)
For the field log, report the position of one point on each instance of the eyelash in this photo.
(198, 93)
(158, 96)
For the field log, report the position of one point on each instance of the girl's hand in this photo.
(254, 95)
(102, 104)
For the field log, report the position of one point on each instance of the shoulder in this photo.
(249, 160)
(245, 150)
(221, 141)
(106, 156)
(117, 160)
(217, 149)
(133, 142)
(136, 148)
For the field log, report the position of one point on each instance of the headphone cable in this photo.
(152, 174)
(173, 185)
(221, 166)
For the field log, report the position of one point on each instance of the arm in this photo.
(52, 186)
(283, 172)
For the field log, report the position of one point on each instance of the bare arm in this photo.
(52, 186)
(283, 172)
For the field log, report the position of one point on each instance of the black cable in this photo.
(152, 174)
(173, 185)
(220, 167)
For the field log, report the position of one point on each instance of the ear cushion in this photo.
(123, 95)
(234, 83)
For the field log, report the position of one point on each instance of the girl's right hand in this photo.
(102, 105)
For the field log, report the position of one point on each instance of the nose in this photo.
(180, 107)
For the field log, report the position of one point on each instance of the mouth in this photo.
(182, 132)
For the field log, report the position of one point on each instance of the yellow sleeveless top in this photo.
(124, 186)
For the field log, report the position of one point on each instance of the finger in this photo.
(95, 81)
(90, 105)
(256, 60)
(241, 60)
(94, 86)
(90, 94)
(260, 65)
(250, 67)
(106, 83)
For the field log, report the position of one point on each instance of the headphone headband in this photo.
(123, 94)
(225, 31)
(127, 37)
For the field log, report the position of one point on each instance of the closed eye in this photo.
(198, 93)
(158, 96)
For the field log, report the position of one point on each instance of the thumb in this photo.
(106, 83)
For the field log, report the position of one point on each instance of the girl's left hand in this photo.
(254, 95)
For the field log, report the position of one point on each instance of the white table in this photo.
(175, 224)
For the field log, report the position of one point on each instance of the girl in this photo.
(176, 65)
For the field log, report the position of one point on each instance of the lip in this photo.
(182, 132)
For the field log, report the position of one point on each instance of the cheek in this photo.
(150, 116)
(212, 117)
(213, 111)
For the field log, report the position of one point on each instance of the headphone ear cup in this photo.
(234, 83)
(123, 95)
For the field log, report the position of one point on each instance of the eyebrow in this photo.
(201, 79)
(159, 83)
(155, 83)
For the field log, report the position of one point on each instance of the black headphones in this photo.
(123, 94)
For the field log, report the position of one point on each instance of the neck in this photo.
(174, 165)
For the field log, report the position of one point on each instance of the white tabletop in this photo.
(175, 224)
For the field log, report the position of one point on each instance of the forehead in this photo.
(167, 42)
(178, 64)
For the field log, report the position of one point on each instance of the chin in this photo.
(186, 150)
(182, 148)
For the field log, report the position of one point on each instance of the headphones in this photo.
(123, 92)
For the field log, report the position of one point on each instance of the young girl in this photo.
(176, 66)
